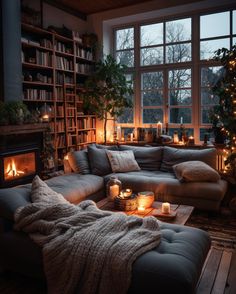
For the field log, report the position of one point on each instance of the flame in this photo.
(12, 171)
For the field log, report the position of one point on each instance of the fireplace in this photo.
(19, 166)
(20, 154)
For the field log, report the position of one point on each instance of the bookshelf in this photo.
(54, 70)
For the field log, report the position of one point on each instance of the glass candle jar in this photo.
(113, 187)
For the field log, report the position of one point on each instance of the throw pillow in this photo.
(78, 161)
(195, 171)
(148, 158)
(122, 161)
(98, 160)
(172, 156)
(40, 192)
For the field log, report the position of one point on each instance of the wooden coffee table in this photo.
(183, 212)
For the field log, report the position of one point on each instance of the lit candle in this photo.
(181, 120)
(165, 208)
(159, 129)
(131, 137)
(114, 191)
(176, 138)
(118, 133)
(126, 193)
(191, 140)
(141, 209)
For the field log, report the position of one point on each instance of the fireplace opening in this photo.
(17, 166)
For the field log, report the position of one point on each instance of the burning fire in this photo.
(12, 171)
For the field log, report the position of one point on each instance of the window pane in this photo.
(177, 113)
(234, 41)
(234, 22)
(126, 57)
(178, 30)
(151, 116)
(179, 78)
(152, 98)
(125, 39)
(178, 53)
(151, 34)
(152, 80)
(207, 98)
(207, 48)
(205, 115)
(214, 25)
(180, 97)
(151, 56)
(210, 75)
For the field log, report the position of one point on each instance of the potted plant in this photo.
(106, 91)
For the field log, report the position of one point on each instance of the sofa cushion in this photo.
(99, 162)
(148, 158)
(78, 161)
(195, 171)
(122, 161)
(172, 156)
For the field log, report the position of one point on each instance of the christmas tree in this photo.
(224, 114)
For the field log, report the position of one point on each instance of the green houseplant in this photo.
(106, 91)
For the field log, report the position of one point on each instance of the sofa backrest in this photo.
(172, 156)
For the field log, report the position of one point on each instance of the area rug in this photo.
(220, 226)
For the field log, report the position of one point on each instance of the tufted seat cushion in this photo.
(172, 267)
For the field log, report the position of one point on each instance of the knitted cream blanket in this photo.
(85, 249)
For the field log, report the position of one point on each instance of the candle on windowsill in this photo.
(159, 129)
(141, 209)
(165, 208)
(191, 140)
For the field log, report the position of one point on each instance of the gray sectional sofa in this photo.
(175, 265)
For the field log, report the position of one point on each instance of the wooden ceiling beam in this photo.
(67, 9)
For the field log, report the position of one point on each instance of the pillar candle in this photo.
(165, 208)
(114, 191)
(159, 129)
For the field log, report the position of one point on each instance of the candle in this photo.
(176, 138)
(165, 208)
(118, 133)
(126, 193)
(141, 209)
(191, 140)
(159, 129)
(181, 120)
(114, 191)
(131, 137)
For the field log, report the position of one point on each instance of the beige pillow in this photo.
(122, 161)
(195, 171)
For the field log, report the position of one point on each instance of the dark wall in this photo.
(1, 60)
(11, 70)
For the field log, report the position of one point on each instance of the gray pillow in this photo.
(98, 160)
(195, 171)
(78, 161)
(172, 156)
(148, 158)
(122, 161)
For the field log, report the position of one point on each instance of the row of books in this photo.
(83, 68)
(71, 124)
(59, 94)
(87, 123)
(46, 43)
(86, 136)
(71, 140)
(62, 47)
(43, 58)
(70, 111)
(63, 78)
(37, 94)
(64, 63)
(60, 141)
(83, 53)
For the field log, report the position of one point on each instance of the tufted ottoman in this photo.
(175, 265)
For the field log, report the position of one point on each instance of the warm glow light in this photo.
(141, 209)
(12, 171)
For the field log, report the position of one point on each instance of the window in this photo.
(173, 78)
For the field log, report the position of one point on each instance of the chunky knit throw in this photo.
(85, 249)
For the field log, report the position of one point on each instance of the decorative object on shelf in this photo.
(125, 204)
(17, 112)
(145, 198)
(113, 188)
(191, 141)
(159, 129)
(165, 207)
(175, 137)
(45, 112)
(223, 116)
(106, 91)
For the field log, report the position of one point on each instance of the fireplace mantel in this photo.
(23, 129)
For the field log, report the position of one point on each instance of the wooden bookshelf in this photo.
(54, 70)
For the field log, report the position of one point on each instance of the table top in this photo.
(183, 212)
